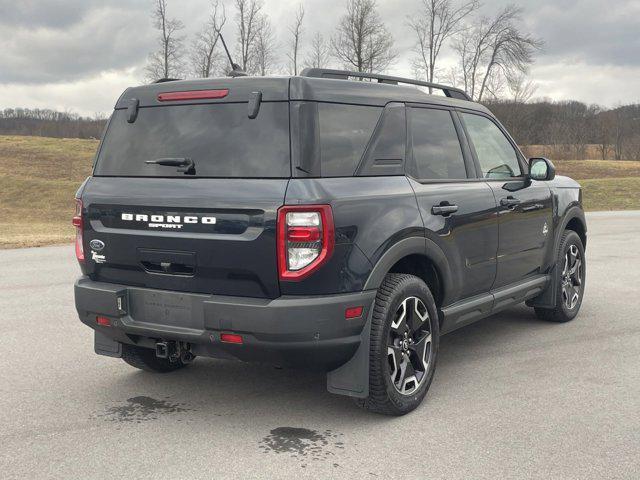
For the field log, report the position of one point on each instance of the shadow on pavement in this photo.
(221, 388)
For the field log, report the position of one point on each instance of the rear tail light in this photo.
(306, 238)
(104, 321)
(79, 224)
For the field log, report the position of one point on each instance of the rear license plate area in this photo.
(163, 308)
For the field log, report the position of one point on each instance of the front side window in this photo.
(436, 148)
(496, 155)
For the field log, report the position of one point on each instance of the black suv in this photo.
(334, 220)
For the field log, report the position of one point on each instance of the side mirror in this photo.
(541, 169)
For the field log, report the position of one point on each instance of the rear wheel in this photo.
(404, 345)
(571, 274)
(146, 359)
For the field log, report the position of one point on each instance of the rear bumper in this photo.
(308, 332)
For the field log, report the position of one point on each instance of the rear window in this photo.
(220, 139)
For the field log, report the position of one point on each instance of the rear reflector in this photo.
(192, 95)
(353, 312)
(104, 321)
(230, 338)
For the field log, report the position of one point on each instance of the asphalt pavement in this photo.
(513, 396)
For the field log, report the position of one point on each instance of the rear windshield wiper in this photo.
(185, 165)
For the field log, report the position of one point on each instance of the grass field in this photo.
(39, 176)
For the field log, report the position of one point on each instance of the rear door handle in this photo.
(444, 209)
(510, 202)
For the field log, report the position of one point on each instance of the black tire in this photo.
(145, 359)
(565, 311)
(384, 396)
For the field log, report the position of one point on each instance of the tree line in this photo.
(49, 123)
(572, 130)
(557, 129)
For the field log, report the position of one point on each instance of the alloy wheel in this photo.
(572, 274)
(409, 346)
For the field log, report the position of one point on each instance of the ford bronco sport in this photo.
(317, 222)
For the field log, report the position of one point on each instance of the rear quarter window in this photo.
(220, 138)
(345, 131)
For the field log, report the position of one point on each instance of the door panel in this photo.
(468, 237)
(525, 225)
(524, 207)
(459, 213)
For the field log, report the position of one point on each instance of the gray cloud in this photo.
(76, 40)
(72, 43)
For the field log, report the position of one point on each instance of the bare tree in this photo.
(249, 18)
(166, 62)
(265, 48)
(362, 41)
(205, 59)
(521, 89)
(296, 31)
(318, 56)
(492, 48)
(435, 23)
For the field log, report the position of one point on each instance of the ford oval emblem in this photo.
(96, 245)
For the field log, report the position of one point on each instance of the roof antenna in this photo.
(236, 70)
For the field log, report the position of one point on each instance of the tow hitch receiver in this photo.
(166, 349)
(174, 351)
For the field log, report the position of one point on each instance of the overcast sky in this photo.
(79, 55)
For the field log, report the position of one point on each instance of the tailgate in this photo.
(201, 235)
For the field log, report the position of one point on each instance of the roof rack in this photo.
(450, 92)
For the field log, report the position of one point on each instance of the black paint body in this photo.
(382, 215)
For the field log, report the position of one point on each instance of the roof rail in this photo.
(450, 92)
(162, 80)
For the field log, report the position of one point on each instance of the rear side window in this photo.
(437, 152)
(344, 133)
(220, 139)
(496, 155)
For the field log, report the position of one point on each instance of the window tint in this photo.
(220, 139)
(436, 149)
(496, 155)
(344, 133)
(386, 150)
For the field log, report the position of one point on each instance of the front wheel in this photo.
(404, 345)
(571, 273)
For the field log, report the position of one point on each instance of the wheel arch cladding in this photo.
(420, 257)
(577, 225)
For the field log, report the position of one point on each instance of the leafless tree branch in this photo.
(167, 61)
(435, 23)
(296, 32)
(206, 61)
(318, 56)
(362, 41)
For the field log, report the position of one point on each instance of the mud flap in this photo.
(103, 345)
(352, 378)
(547, 299)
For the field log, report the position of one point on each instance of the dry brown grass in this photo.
(38, 179)
(594, 169)
(39, 176)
